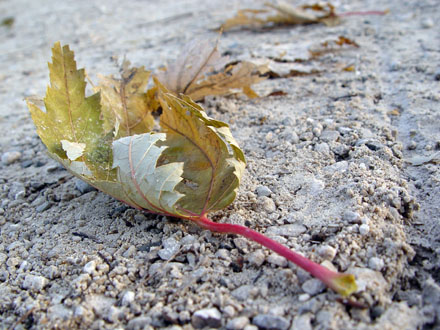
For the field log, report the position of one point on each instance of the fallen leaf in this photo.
(282, 13)
(200, 70)
(125, 103)
(191, 167)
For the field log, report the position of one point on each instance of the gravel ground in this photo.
(329, 174)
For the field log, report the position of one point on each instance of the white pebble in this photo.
(35, 283)
(327, 252)
(364, 229)
(376, 263)
(428, 23)
(90, 267)
(256, 258)
(263, 191)
(267, 204)
(10, 157)
(277, 260)
(313, 286)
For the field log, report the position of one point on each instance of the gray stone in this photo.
(90, 267)
(329, 136)
(277, 260)
(311, 306)
(256, 258)
(376, 263)
(339, 167)
(43, 207)
(170, 248)
(34, 282)
(327, 252)
(351, 217)
(270, 322)
(290, 230)
(243, 292)
(10, 157)
(83, 187)
(139, 323)
(127, 298)
(16, 191)
(267, 204)
(237, 323)
(322, 148)
(313, 286)
(59, 312)
(364, 229)
(263, 191)
(302, 322)
(209, 317)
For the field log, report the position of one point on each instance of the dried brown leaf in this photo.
(200, 70)
(283, 13)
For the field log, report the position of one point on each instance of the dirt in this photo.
(329, 174)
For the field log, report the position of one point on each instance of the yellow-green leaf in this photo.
(71, 116)
(125, 103)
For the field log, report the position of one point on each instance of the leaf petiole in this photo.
(344, 284)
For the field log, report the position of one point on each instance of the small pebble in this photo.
(256, 258)
(273, 322)
(290, 230)
(238, 323)
(364, 229)
(376, 263)
(209, 317)
(83, 187)
(327, 252)
(412, 145)
(10, 157)
(302, 322)
(35, 283)
(43, 207)
(170, 248)
(427, 23)
(267, 204)
(306, 136)
(313, 286)
(263, 191)
(329, 136)
(351, 217)
(90, 267)
(127, 298)
(322, 148)
(277, 260)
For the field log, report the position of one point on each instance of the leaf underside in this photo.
(191, 167)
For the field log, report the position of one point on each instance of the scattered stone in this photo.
(351, 217)
(277, 260)
(412, 145)
(329, 136)
(267, 204)
(313, 286)
(83, 187)
(372, 144)
(368, 279)
(339, 167)
(256, 258)
(327, 252)
(237, 323)
(170, 248)
(10, 157)
(290, 230)
(16, 191)
(323, 148)
(127, 298)
(43, 207)
(376, 263)
(59, 312)
(139, 323)
(306, 136)
(34, 282)
(130, 252)
(270, 322)
(90, 267)
(364, 229)
(431, 295)
(209, 317)
(427, 23)
(243, 292)
(263, 191)
(303, 322)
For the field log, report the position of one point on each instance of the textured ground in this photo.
(327, 175)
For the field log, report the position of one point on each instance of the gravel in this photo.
(329, 174)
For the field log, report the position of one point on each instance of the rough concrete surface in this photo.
(328, 175)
